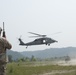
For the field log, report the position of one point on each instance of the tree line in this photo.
(33, 58)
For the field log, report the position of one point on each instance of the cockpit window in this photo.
(35, 40)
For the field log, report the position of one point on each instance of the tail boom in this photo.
(21, 42)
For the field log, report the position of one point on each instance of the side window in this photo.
(44, 41)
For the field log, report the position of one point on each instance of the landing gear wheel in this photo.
(26, 47)
(48, 44)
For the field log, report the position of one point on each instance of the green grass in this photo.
(30, 68)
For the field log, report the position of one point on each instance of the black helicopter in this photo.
(39, 41)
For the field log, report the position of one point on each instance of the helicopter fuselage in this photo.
(38, 41)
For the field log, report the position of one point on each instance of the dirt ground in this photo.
(72, 62)
(62, 63)
(58, 72)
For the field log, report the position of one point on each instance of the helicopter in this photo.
(43, 39)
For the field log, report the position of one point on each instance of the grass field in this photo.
(39, 68)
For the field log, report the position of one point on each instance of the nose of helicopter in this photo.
(55, 41)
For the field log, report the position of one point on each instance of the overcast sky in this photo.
(39, 16)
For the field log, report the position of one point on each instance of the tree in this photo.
(67, 58)
(27, 59)
(21, 59)
(33, 58)
(10, 58)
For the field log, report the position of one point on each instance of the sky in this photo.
(39, 16)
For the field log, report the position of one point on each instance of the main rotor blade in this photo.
(37, 34)
(56, 33)
(34, 33)
(33, 36)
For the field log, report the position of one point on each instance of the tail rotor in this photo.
(20, 40)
